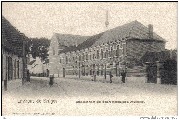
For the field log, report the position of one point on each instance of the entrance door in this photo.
(152, 73)
(10, 68)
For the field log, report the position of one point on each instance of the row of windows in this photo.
(100, 54)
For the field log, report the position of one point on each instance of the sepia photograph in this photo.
(89, 58)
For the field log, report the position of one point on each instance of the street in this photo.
(82, 97)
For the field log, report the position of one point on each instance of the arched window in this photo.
(111, 52)
(97, 54)
(86, 56)
(101, 54)
(117, 51)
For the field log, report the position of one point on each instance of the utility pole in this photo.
(105, 72)
(106, 24)
(125, 54)
(24, 60)
(79, 70)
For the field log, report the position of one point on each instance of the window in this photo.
(124, 49)
(90, 56)
(79, 57)
(76, 57)
(86, 56)
(107, 53)
(114, 46)
(93, 56)
(53, 51)
(117, 51)
(111, 52)
(18, 69)
(101, 54)
(97, 54)
(66, 59)
(83, 57)
(15, 68)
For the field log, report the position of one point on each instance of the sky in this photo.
(43, 19)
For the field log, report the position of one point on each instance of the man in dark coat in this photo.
(94, 76)
(110, 75)
(28, 76)
(123, 74)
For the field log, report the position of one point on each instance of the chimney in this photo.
(150, 31)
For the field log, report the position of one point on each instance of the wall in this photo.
(14, 66)
(86, 64)
(137, 48)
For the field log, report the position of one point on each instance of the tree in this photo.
(38, 47)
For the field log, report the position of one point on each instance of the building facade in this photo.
(11, 66)
(11, 54)
(111, 51)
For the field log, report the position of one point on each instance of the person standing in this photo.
(94, 75)
(123, 74)
(110, 75)
(28, 76)
(47, 73)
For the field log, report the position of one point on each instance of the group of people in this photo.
(123, 74)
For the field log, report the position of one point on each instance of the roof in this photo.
(152, 57)
(130, 30)
(31, 62)
(69, 40)
(86, 44)
(11, 38)
(133, 31)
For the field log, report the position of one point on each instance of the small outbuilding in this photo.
(161, 67)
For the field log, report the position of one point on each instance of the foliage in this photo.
(39, 47)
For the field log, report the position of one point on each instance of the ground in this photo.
(84, 97)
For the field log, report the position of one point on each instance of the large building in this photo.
(113, 50)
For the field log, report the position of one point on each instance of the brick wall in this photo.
(137, 48)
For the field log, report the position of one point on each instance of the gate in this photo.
(151, 73)
(64, 72)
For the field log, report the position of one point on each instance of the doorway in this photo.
(151, 73)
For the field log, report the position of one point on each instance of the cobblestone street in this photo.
(82, 97)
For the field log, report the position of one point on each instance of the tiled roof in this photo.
(11, 38)
(132, 30)
(69, 40)
(86, 44)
